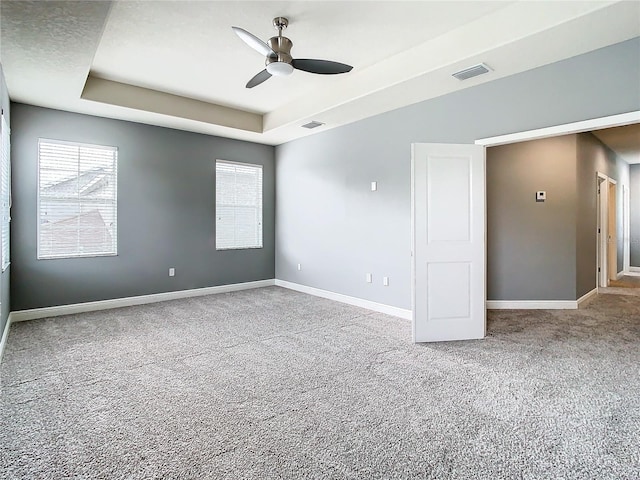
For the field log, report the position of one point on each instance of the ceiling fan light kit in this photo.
(279, 61)
(280, 69)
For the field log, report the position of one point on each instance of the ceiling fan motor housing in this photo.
(278, 56)
(280, 64)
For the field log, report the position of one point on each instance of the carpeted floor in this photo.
(627, 281)
(271, 383)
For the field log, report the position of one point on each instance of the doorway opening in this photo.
(609, 280)
(607, 250)
(607, 254)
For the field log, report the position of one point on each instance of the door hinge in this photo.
(598, 230)
(598, 269)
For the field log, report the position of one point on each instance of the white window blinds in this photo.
(238, 205)
(77, 206)
(5, 192)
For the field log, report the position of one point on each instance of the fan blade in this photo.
(324, 67)
(259, 78)
(254, 42)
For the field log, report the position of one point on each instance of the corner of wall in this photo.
(5, 336)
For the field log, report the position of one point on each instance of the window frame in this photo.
(5, 129)
(256, 166)
(38, 204)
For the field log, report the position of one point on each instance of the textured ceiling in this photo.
(178, 64)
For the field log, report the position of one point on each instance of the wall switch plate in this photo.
(369, 278)
(172, 272)
(541, 196)
(299, 267)
(385, 281)
(374, 186)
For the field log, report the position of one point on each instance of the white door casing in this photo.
(607, 251)
(448, 242)
(626, 219)
(612, 231)
(603, 192)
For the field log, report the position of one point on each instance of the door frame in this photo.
(612, 233)
(567, 129)
(604, 185)
(602, 192)
(611, 121)
(626, 228)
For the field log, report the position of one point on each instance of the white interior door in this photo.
(448, 223)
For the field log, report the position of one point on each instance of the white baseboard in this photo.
(5, 334)
(539, 304)
(619, 275)
(338, 297)
(532, 304)
(587, 296)
(22, 315)
(634, 270)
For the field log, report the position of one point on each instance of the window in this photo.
(77, 208)
(238, 205)
(5, 192)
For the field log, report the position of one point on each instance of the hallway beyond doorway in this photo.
(625, 285)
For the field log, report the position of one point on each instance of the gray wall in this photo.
(166, 205)
(634, 212)
(330, 221)
(5, 305)
(593, 156)
(527, 240)
(531, 246)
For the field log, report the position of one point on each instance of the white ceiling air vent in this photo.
(474, 71)
(313, 124)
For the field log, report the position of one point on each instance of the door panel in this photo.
(449, 290)
(446, 174)
(448, 210)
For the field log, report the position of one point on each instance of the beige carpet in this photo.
(275, 384)
(627, 281)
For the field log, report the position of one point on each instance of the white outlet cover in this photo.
(374, 186)
(172, 272)
(299, 267)
(385, 281)
(369, 278)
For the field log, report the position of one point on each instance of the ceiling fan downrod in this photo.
(281, 23)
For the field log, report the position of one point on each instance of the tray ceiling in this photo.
(178, 64)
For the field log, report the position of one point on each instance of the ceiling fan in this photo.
(278, 56)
